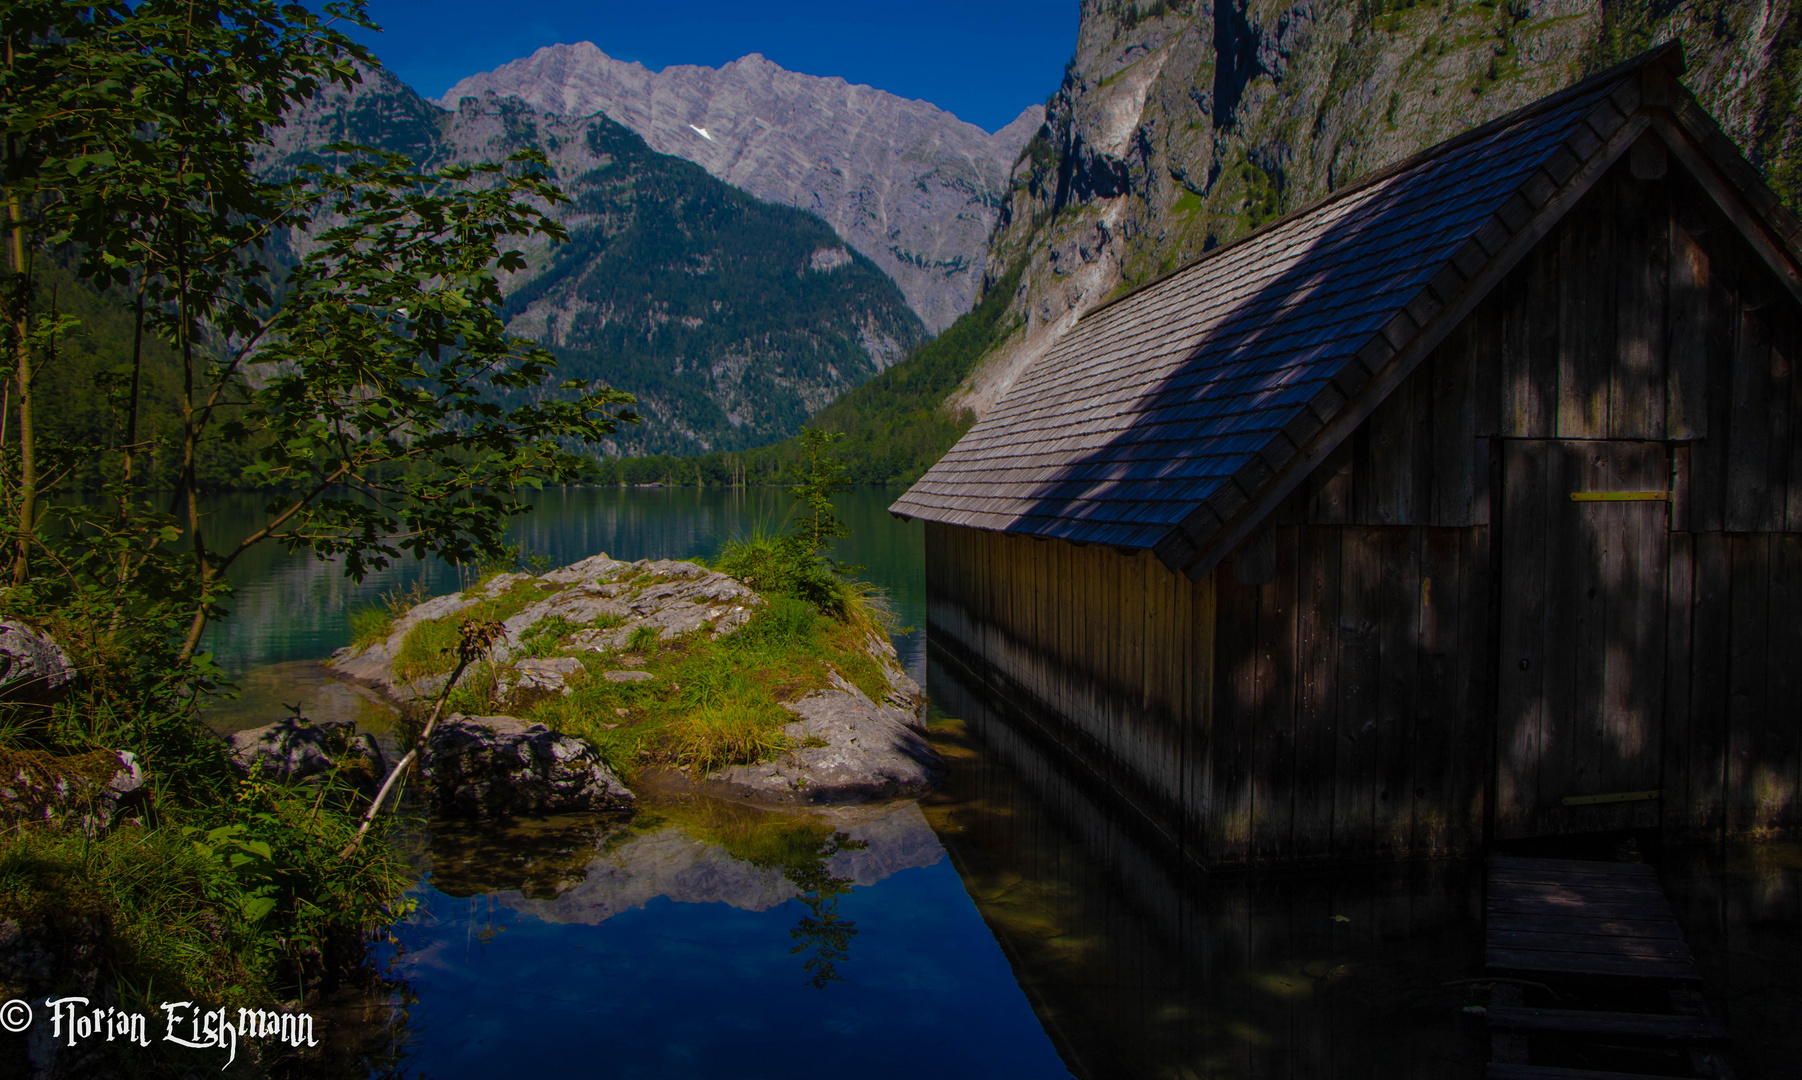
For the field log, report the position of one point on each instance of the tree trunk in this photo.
(28, 466)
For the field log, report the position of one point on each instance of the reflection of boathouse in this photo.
(1465, 503)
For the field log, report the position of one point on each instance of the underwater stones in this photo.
(88, 791)
(295, 748)
(497, 765)
(34, 669)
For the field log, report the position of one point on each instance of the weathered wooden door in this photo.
(1581, 687)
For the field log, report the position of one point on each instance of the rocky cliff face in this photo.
(1183, 124)
(908, 185)
(731, 319)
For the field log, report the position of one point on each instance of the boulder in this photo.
(34, 670)
(498, 765)
(295, 748)
(88, 791)
(849, 749)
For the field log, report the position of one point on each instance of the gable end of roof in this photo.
(1176, 418)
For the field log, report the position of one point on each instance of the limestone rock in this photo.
(551, 674)
(87, 791)
(1177, 132)
(907, 184)
(295, 748)
(628, 676)
(33, 668)
(851, 749)
(668, 596)
(503, 765)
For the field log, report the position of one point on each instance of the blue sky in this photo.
(984, 61)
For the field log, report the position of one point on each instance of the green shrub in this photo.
(547, 634)
(644, 639)
(732, 732)
(428, 649)
(370, 625)
(786, 622)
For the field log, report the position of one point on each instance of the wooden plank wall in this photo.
(1117, 643)
(1733, 734)
(1342, 716)
(1641, 317)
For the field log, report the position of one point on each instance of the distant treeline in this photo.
(894, 426)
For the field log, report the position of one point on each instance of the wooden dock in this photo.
(1592, 936)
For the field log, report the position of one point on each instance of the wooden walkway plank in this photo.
(1561, 924)
(1615, 869)
(1590, 965)
(1583, 919)
(1631, 1027)
(1577, 881)
(1574, 909)
(1592, 944)
(1553, 898)
(1498, 1071)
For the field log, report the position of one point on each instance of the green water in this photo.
(289, 608)
(289, 612)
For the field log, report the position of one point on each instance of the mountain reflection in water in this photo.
(699, 937)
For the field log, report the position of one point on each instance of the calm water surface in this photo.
(1010, 925)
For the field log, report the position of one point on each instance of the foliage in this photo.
(546, 635)
(360, 368)
(796, 563)
(688, 267)
(230, 888)
(643, 639)
(822, 477)
(334, 337)
(430, 647)
(710, 702)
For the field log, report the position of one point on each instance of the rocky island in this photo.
(608, 676)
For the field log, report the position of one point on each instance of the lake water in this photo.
(1012, 924)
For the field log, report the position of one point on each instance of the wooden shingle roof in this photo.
(1178, 416)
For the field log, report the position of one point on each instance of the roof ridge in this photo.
(1616, 73)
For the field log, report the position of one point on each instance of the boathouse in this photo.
(1465, 504)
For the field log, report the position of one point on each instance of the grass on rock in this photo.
(711, 701)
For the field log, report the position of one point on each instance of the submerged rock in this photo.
(503, 765)
(34, 669)
(295, 748)
(87, 791)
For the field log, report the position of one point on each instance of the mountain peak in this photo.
(904, 182)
